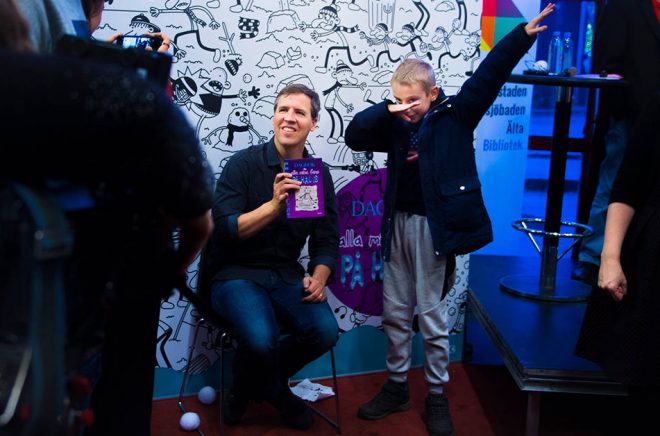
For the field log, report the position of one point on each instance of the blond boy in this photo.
(434, 209)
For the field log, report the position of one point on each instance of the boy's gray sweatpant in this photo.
(415, 276)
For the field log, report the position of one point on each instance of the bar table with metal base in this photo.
(547, 287)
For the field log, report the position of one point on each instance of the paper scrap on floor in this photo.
(310, 391)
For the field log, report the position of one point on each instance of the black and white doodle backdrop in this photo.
(231, 57)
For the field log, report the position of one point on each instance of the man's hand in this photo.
(315, 285)
(282, 187)
(314, 290)
(531, 28)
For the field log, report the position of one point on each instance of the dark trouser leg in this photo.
(312, 326)
(247, 309)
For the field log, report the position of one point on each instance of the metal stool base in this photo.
(528, 286)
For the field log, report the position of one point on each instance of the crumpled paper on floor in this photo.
(310, 391)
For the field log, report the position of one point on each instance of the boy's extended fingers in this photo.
(544, 13)
(395, 108)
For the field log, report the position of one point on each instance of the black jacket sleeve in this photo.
(479, 92)
(371, 129)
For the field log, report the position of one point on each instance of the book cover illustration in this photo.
(308, 201)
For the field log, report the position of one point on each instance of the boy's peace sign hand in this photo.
(400, 109)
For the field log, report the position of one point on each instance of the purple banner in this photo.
(358, 280)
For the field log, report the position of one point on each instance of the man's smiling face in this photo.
(292, 121)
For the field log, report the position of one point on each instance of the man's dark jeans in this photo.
(256, 314)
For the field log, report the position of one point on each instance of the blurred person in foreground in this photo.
(119, 137)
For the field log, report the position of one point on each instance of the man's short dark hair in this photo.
(299, 88)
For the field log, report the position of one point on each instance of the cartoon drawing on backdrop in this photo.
(182, 323)
(407, 37)
(202, 25)
(239, 129)
(381, 11)
(141, 24)
(458, 27)
(271, 60)
(457, 310)
(462, 12)
(163, 338)
(208, 346)
(174, 311)
(355, 319)
(249, 28)
(328, 23)
(294, 53)
(352, 6)
(472, 51)
(344, 78)
(240, 7)
(365, 162)
(440, 41)
(424, 19)
(184, 317)
(234, 60)
(184, 87)
(380, 35)
(282, 19)
(457, 44)
(209, 104)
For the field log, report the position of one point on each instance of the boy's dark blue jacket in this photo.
(451, 189)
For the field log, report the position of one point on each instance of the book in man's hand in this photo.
(308, 200)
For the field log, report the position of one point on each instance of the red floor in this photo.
(483, 399)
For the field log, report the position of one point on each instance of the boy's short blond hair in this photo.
(412, 71)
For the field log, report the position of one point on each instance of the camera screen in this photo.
(130, 41)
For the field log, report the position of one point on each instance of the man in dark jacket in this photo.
(433, 209)
(257, 282)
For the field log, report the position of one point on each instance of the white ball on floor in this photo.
(189, 421)
(206, 395)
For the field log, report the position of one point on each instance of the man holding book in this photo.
(257, 283)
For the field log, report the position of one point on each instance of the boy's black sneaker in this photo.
(438, 419)
(393, 397)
